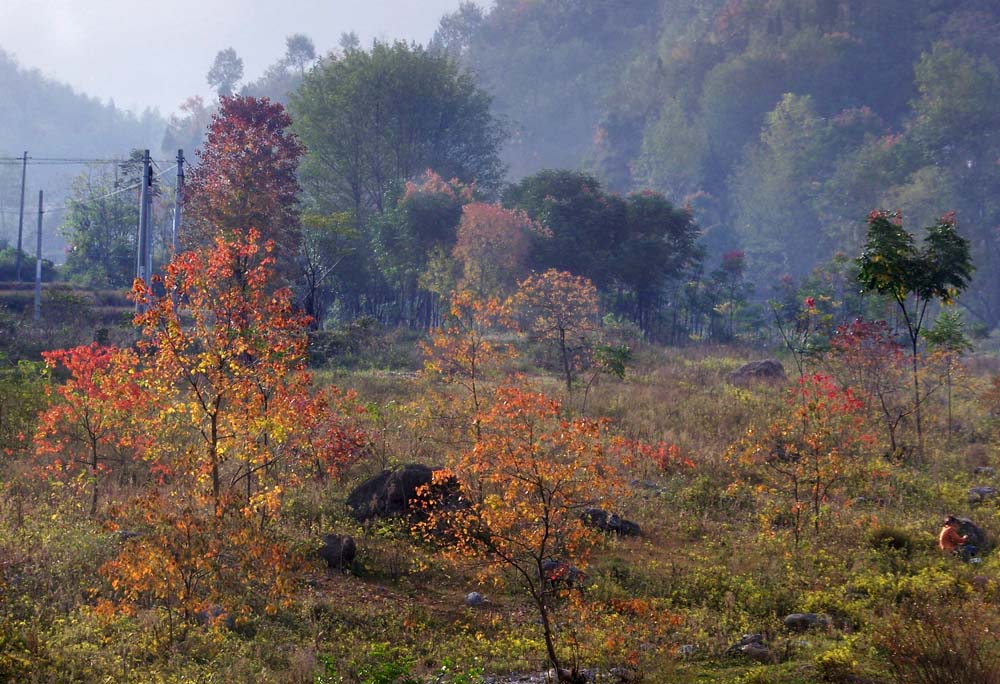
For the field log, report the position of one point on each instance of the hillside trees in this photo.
(225, 73)
(633, 248)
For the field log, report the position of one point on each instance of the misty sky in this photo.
(156, 52)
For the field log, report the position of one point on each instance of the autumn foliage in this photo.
(89, 428)
(810, 453)
(493, 245)
(529, 475)
(214, 418)
(246, 176)
(561, 310)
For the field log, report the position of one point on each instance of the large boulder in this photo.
(976, 536)
(394, 493)
(338, 551)
(598, 519)
(768, 370)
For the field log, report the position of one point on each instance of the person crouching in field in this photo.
(952, 541)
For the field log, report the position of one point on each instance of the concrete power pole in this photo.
(143, 260)
(178, 198)
(20, 220)
(38, 263)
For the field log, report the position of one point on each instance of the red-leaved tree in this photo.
(246, 177)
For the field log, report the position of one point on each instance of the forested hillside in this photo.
(781, 122)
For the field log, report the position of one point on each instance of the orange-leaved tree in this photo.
(467, 352)
(561, 309)
(91, 425)
(223, 361)
(224, 354)
(492, 245)
(816, 448)
(526, 481)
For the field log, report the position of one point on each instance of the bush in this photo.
(942, 641)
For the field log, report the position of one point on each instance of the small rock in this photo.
(802, 622)
(984, 470)
(474, 599)
(756, 652)
(685, 650)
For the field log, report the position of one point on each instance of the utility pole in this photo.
(38, 263)
(143, 265)
(20, 220)
(178, 197)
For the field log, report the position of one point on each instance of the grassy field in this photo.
(714, 562)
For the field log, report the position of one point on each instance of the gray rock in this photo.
(984, 470)
(598, 519)
(977, 494)
(474, 599)
(686, 650)
(758, 653)
(745, 640)
(338, 551)
(976, 536)
(768, 370)
(802, 622)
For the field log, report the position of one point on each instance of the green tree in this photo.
(373, 119)
(226, 72)
(893, 265)
(99, 227)
(948, 336)
(774, 190)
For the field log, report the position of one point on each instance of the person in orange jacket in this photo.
(952, 541)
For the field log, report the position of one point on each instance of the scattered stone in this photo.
(686, 650)
(803, 622)
(768, 370)
(758, 653)
(395, 492)
(338, 551)
(125, 535)
(978, 494)
(598, 519)
(984, 470)
(474, 599)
